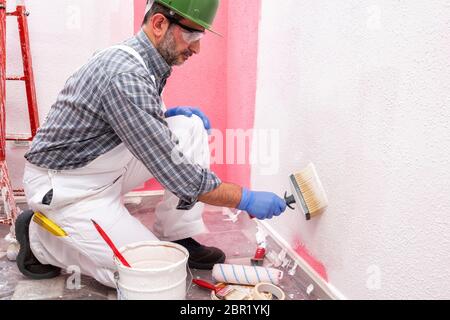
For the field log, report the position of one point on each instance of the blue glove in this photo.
(188, 112)
(262, 205)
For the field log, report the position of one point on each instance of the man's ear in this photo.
(159, 25)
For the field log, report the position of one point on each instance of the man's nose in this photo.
(195, 47)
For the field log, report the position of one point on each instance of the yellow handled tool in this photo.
(49, 225)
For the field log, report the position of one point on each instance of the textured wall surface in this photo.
(362, 89)
(63, 35)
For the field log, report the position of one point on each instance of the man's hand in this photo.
(262, 205)
(188, 112)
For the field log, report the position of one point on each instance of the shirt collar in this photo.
(152, 58)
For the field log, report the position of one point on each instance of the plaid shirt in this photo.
(113, 100)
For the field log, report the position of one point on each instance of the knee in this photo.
(197, 124)
(192, 137)
(188, 129)
(183, 123)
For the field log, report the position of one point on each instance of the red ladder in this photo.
(7, 193)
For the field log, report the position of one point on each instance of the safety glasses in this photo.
(189, 34)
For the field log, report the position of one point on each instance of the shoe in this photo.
(200, 256)
(27, 263)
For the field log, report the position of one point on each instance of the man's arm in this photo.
(226, 195)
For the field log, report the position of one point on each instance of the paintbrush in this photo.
(111, 244)
(308, 192)
(221, 291)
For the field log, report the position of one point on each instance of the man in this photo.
(107, 134)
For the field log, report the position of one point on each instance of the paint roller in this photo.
(308, 192)
(245, 275)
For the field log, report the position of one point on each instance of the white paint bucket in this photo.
(158, 271)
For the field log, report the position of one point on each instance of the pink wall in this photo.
(222, 79)
(243, 22)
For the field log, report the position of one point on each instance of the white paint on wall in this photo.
(63, 35)
(362, 89)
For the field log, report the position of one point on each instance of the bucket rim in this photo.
(151, 243)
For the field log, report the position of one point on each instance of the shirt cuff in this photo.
(209, 183)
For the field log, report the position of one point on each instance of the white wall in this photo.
(362, 88)
(63, 35)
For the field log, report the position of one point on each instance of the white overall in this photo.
(96, 192)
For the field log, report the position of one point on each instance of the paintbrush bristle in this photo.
(224, 292)
(310, 191)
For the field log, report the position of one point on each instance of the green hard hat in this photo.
(202, 12)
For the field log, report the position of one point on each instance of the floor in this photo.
(237, 239)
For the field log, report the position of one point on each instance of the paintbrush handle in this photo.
(289, 200)
(111, 244)
(205, 284)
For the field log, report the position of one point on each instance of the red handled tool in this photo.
(111, 244)
(221, 290)
(258, 259)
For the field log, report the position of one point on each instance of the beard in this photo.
(168, 50)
